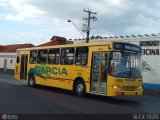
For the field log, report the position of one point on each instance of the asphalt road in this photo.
(16, 97)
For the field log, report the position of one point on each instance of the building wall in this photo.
(10, 59)
(150, 65)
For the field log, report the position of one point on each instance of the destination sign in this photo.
(126, 46)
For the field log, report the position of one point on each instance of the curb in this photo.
(150, 92)
(7, 75)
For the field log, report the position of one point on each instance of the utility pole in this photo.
(88, 19)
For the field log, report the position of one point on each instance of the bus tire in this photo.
(80, 88)
(31, 80)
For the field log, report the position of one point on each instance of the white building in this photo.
(7, 61)
(8, 56)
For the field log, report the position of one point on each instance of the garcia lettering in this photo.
(51, 70)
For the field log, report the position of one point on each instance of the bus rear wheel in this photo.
(80, 88)
(31, 81)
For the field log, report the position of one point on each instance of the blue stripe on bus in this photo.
(150, 86)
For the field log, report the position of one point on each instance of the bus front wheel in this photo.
(31, 81)
(80, 88)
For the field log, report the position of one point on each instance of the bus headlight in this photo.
(116, 87)
(139, 88)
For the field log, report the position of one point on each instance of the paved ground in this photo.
(16, 97)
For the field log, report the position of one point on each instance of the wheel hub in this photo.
(31, 81)
(80, 88)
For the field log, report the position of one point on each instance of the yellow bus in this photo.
(105, 68)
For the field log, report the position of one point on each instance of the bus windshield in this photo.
(126, 64)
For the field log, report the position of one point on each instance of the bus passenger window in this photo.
(81, 55)
(18, 56)
(42, 56)
(67, 56)
(53, 57)
(33, 56)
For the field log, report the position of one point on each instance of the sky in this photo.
(36, 21)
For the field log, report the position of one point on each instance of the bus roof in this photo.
(108, 43)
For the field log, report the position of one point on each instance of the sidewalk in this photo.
(7, 75)
(150, 92)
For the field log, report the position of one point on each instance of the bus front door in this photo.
(99, 72)
(23, 70)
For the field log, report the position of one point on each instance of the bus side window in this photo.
(42, 56)
(53, 57)
(67, 56)
(81, 55)
(33, 56)
(18, 56)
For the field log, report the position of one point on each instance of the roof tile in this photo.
(13, 48)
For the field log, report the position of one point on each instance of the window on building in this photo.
(11, 61)
(33, 56)
(67, 56)
(18, 56)
(42, 56)
(81, 55)
(53, 57)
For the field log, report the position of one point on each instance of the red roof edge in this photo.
(14, 47)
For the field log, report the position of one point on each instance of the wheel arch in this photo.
(29, 74)
(31, 80)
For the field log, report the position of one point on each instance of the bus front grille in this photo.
(129, 88)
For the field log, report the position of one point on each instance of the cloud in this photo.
(4, 3)
(115, 17)
(23, 11)
(133, 17)
(64, 8)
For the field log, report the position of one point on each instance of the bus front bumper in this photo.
(114, 92)
(129, 93)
